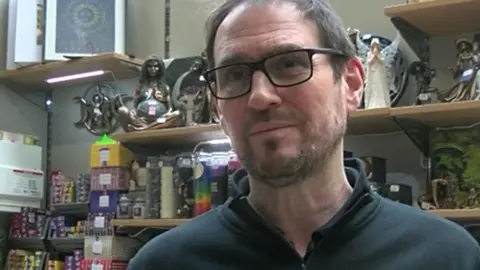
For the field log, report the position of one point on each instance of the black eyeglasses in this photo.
(284, 69)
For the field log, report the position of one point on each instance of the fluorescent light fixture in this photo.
(75, 76)
(218, 141)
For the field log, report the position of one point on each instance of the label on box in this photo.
(27, 182)
(104, 201)
(104, 155)
(97, 266)
(99, 222)
(97, 247)
(105, 179)
(394, 188)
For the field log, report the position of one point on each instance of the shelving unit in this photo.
(33, 78)
(149, 223)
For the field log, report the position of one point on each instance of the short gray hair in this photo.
(331, 31)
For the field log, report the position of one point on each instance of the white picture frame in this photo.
(51, 51)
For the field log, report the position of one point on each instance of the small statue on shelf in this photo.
(377, 91)
(443, 193)
(472, 199)
(386, 77)
(464, 73)
(190, 94)
(98, 109)
(152, 106)
(424, 76)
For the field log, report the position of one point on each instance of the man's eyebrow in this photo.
(235, 58)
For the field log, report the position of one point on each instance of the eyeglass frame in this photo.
(260, 66)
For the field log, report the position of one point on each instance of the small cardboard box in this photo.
(109, 153)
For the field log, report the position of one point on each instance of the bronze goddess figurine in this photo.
(464, 73)
(152, 106)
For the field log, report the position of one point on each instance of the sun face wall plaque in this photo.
(25, 33)
(81, 28)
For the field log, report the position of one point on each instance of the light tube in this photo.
(75, 76)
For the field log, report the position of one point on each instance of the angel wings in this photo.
(388, 54)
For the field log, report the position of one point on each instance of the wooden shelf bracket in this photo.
(417, 132)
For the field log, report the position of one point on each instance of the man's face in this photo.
(282, 135)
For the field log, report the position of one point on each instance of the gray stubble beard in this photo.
(281, 172)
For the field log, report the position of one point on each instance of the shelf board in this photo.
(193, 134)
(70, 208)
(441, 115)
(374, 121)
(439, 17)
(35, 75)
(359, 123)
(149, 223)
(458, 214)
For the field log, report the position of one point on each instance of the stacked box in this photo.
(104, 265)
(109, 177)
(29, 223)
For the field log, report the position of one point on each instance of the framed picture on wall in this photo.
(79, 28)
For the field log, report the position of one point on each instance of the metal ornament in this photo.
(190, 94)
(98, 109)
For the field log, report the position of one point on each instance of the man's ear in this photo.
(354, 77)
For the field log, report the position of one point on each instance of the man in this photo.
(285, 78)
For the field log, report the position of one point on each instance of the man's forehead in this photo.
(253, 32)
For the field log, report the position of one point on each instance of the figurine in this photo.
(476, 61)
(464, 73)
(98, 112)
(382, 88)
(424, 76)
(377, 94)
(190, 94)
(152, 106)
(443, 193)
(472, 200)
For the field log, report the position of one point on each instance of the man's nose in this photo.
(263, 94)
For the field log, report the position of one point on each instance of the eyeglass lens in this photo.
(282, 70)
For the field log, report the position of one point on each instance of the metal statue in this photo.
(98, 109)
(424, 76)
(153, 107)
(190, 94)
(385, 69)
(464, 73)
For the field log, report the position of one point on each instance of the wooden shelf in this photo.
(439, 17)
(34, 76)
(149, 223)
(441, 115)
(458, 214)
(375, 121)
(193, 134)
(361, 122)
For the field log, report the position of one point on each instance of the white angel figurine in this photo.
(379, 71)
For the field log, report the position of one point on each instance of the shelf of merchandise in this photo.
(70, 208)
(439, 17)
(149, 223)
(171, 135)
(458, 214)
(33, 78)
(361, 122)
(441, 115)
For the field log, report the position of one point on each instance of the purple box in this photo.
(104, 201)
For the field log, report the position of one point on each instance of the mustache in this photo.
(277, 114)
